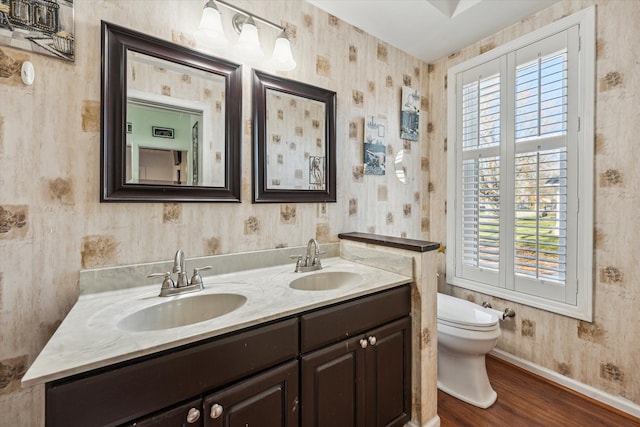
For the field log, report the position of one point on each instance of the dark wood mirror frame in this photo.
(261, 193)
(116, 41)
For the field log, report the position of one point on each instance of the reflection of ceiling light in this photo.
(211, 34)
(210, 31)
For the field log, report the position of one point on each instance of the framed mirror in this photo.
(294, 152)
(171, 121)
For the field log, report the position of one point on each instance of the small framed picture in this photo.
(39, 26)
(375, 146)
(410, 114)
(161, 132)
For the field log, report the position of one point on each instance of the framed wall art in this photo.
(162, 132)
(410, 114)
(375, 146)
(40, 26)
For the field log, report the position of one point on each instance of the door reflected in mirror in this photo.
(184, 114)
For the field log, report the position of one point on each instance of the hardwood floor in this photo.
(526, 400)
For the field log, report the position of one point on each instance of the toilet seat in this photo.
(463, 314)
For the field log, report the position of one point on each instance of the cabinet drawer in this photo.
(182, 415)
(333, 324)
(133, 390)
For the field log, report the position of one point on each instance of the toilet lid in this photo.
(465, 314)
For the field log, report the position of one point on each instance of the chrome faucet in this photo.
(311, 261)
(180, 269)
(182, 284)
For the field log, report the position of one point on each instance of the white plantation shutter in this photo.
(518, 160)
(541, 215)
(541, 97)
(480, 171)
(481, 113)
(481, 213)
(541, 181)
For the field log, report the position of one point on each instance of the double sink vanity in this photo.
(267, 338)
(262, 345)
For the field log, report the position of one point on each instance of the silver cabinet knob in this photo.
(193, 415)
(216, 411)
(363, 343)
(373, 340)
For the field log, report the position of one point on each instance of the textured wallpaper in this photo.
(52, 224)
(602, 354)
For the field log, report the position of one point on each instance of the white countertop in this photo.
(89, 337)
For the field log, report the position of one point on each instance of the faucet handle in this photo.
(196, 279)
(298, 259)
(168, 282)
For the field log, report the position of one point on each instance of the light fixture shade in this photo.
(248, 46)
(210, 31)
(282, 59)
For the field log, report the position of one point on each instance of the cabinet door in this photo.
(187, 415)
(388, 377)
(266, 400)
(332, 390)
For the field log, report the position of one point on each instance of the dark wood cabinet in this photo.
(269, 399)
(388, 374)
(332, 386)
(185, 415)
(118, 394)
(343, 365)
(266, 400)
(363, 381)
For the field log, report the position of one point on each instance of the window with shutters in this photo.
(520, 169)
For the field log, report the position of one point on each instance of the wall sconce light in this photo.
(210, 31)
(248, 45)
(282, 58)
(211, 34)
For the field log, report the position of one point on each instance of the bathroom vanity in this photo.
(287, 356)
(322, 364)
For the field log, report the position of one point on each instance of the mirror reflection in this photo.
(171, 121)
(175, 123)
(402, 166)
(294, 153)
(296, 149)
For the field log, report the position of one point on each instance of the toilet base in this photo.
(490, 400)
(465, 378)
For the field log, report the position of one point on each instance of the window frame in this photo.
(583, 231)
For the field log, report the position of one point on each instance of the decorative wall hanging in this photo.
(316, 173)
(40, 26)
(410, 113)
(375, 147)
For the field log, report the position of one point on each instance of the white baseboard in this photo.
(433, 422)
(617, 402)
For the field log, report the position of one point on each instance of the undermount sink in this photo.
(325, 281)
(182, 312)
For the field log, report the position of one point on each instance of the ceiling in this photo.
(431, 29)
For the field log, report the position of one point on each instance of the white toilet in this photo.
(466, 333)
